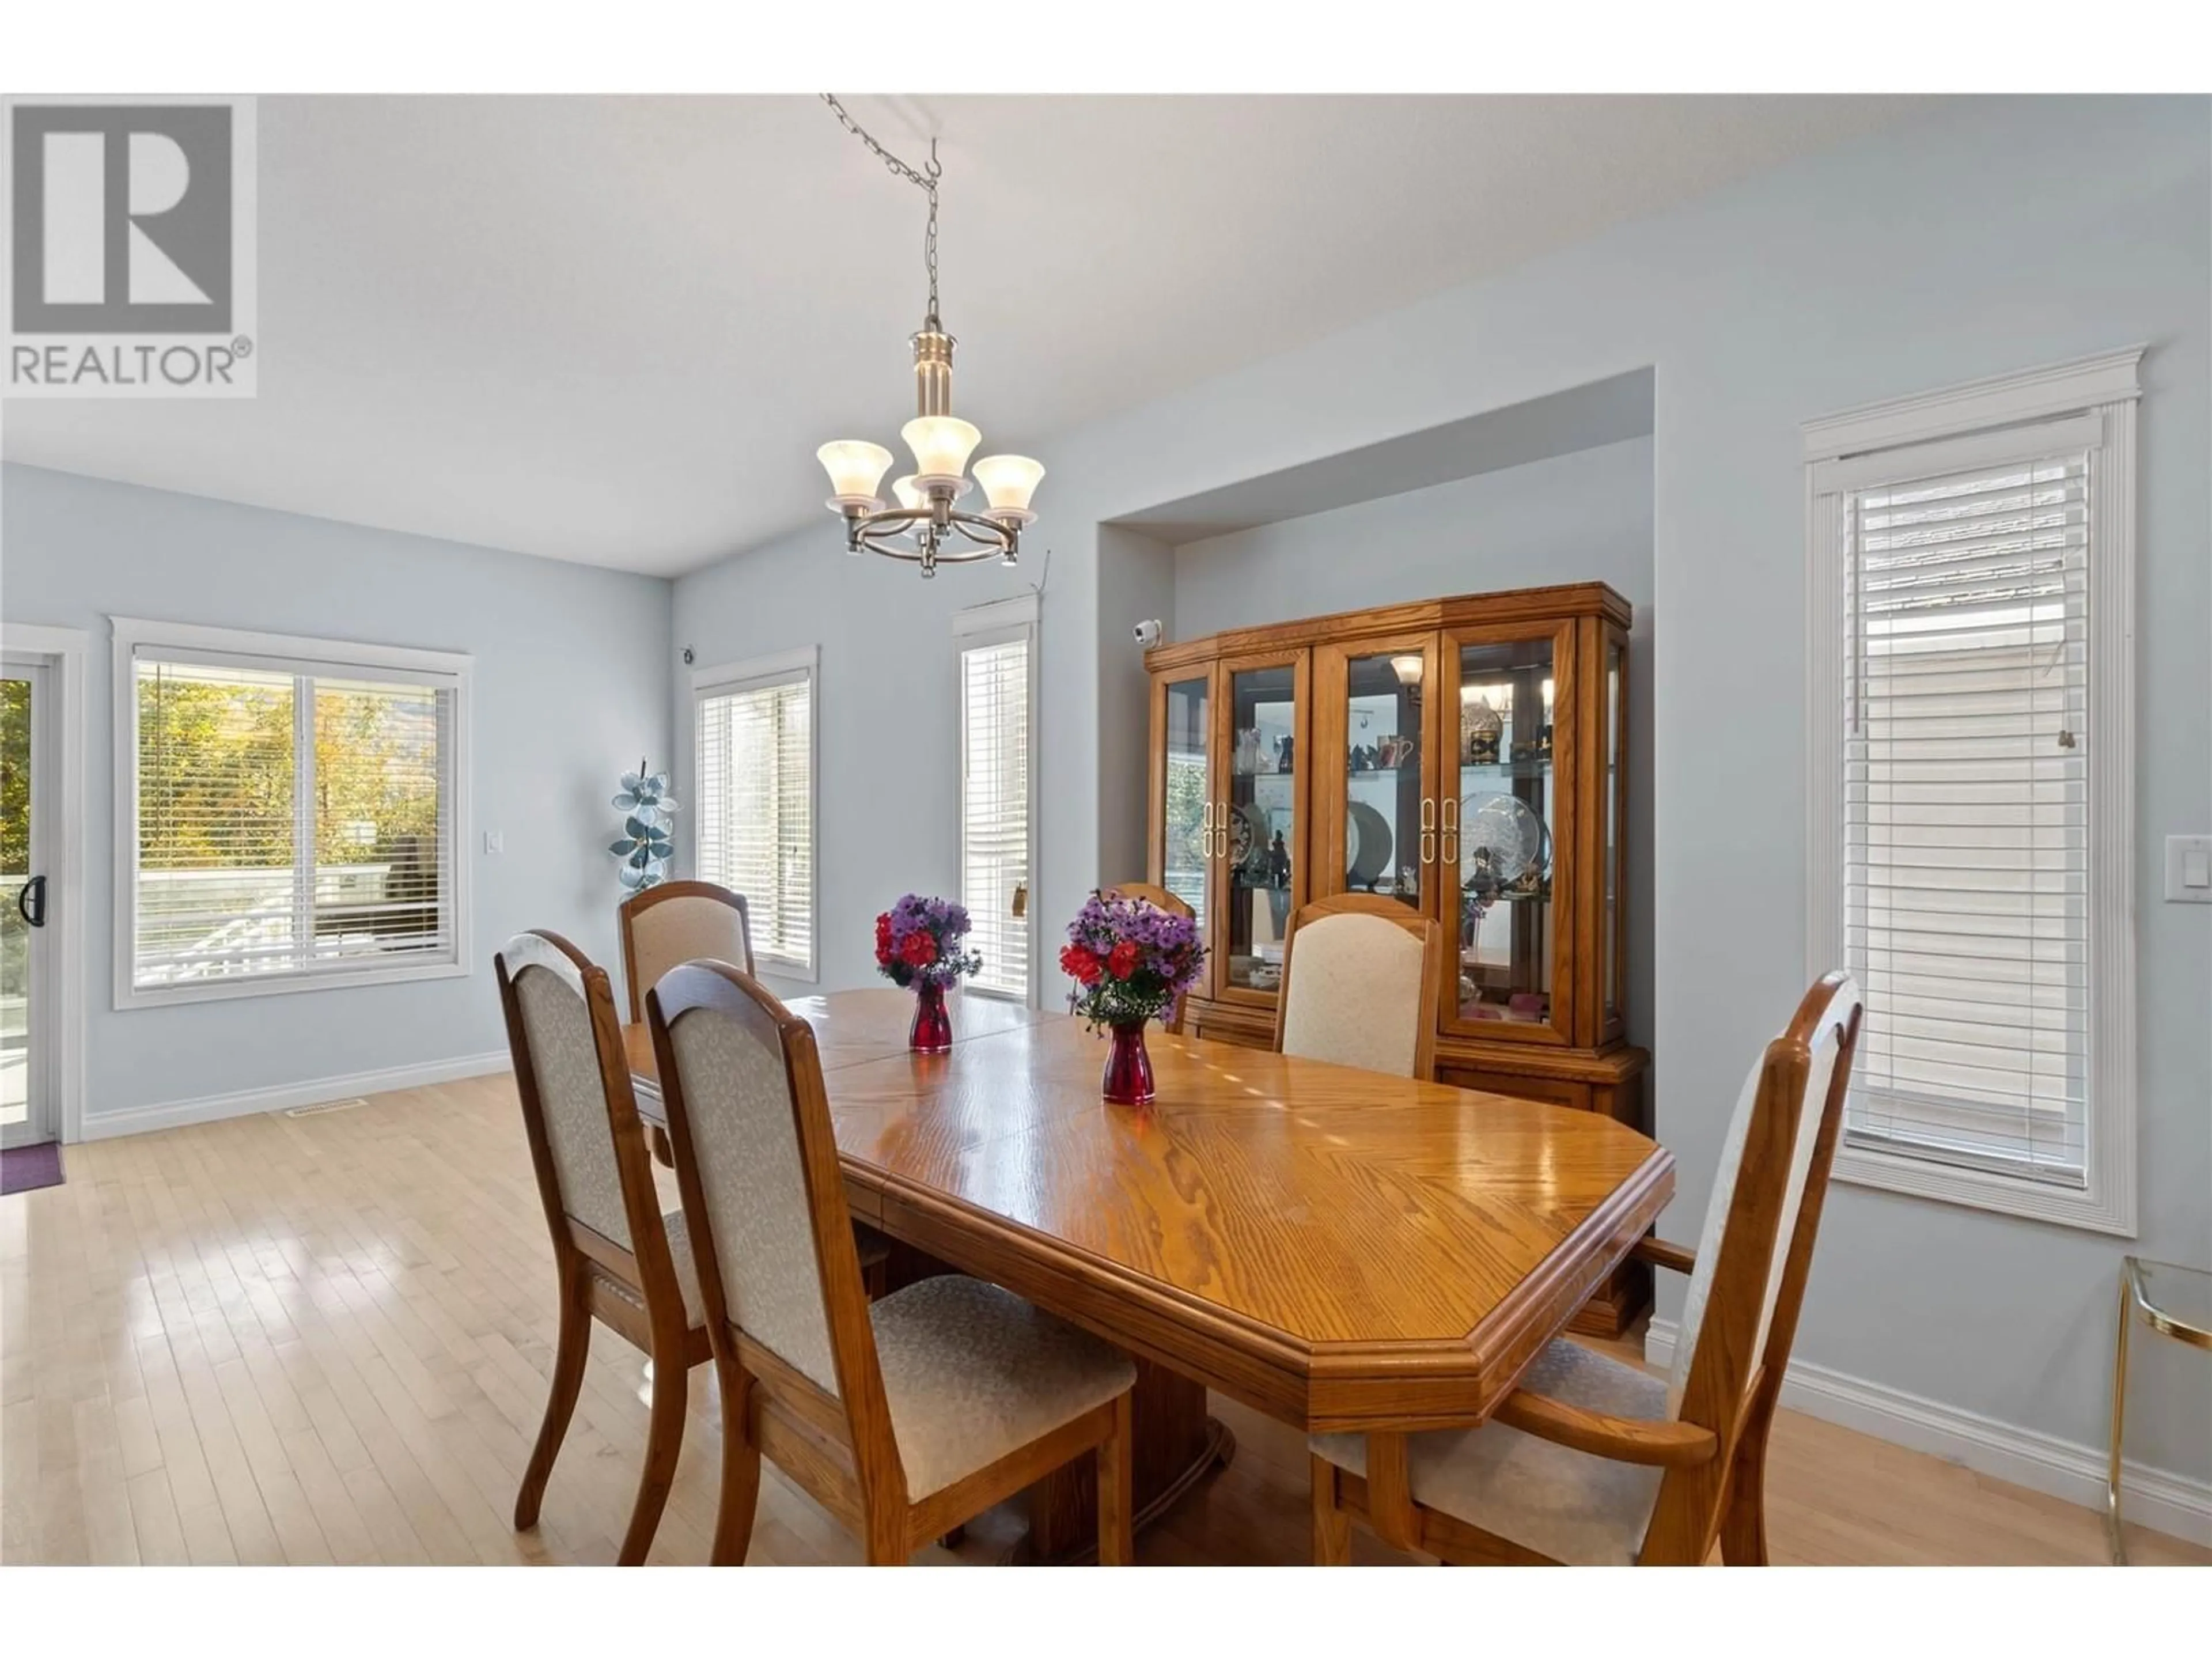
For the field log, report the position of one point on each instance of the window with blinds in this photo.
(755, 789)
(293, 815)
(1969, 784)
(1966, 887)
(995, 807)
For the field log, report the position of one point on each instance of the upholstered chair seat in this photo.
(1568, 1504)
(973, 1374)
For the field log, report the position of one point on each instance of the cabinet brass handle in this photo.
(1451, 832)
(1205, 833)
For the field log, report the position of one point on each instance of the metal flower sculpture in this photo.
(645, 845)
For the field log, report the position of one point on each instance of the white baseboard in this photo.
(2169, 1503)
(210, 1109)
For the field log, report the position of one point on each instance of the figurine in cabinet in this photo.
(1485, 728)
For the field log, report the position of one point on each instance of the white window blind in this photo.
(1965, 796)
(755, 786)
(294, 820)
(995, 807)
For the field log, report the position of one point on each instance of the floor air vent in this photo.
(327, 1106)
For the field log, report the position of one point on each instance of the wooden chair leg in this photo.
(733, 1515)
(1332, 1526)
(1743, 1524)
(1117, 1489)
(885, 1540)
(664, 1441)
(571, 1348)
(1743, 1521)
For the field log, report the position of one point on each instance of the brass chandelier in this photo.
(925, 528)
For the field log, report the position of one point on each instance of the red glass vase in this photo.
(1128, 1079)
(932, 1031)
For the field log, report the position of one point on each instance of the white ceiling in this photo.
(613, 329)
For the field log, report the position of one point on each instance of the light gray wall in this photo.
(1581, 517)
(1136, 583)
(1985, 239)
(569, 691)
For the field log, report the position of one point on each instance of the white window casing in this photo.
(1970, 785)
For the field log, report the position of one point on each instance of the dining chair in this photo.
(680, 921)
(1361, 976)
(905, 1418)
(618, 1260)
(1592, 1461)
(1160, 898)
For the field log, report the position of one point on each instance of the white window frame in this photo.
(1988, 422)
(782, 667)
(990, 624)
(244, 645)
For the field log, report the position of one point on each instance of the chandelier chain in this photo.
(925, 177)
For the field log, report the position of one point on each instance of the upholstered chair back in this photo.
(1765, 1210)
(546, 986)
(1360, 986)
(681, 922)
(738, 1108)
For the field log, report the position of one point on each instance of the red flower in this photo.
(1121, 961)
(883, 937)
(918, 951)
(1077, 964)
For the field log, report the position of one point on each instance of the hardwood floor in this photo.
(325, 1339)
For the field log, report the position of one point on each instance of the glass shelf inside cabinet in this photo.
(1263, 823)
(1503, 817)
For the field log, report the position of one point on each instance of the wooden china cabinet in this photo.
(1465, 755)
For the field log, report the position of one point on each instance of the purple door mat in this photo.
(25, 1169)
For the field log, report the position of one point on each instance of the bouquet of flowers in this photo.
(1131, 961)
(918, 942)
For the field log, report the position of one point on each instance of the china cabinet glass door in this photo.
(1377, 805)
(1183, 713)
(1611, 919)
(1259, 839)
(1506, 831)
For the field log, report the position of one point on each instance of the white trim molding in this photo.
(65, 651)
(2000, 400)
(282, 1097)
(2091, 403)
(2177, 1504)
(283, 654)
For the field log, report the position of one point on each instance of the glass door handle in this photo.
(1451, 832)
(31, 902)
(1428, 829)
(1205, 833)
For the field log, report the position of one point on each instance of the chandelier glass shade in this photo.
(925, 528)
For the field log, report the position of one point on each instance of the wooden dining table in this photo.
(1334, 1247)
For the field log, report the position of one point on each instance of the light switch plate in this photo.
(494, 841)
(2189, 869)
